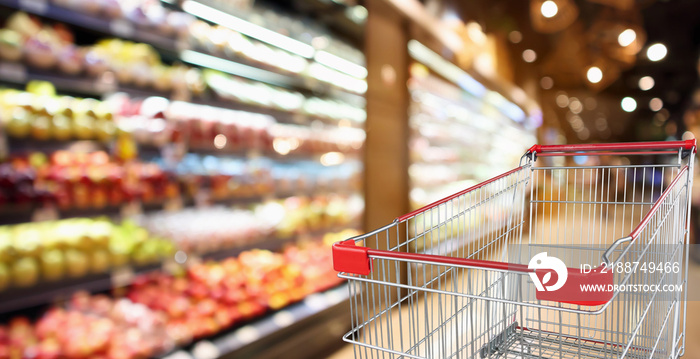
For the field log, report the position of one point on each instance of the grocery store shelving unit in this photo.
(280, 332)
(270, 336)
(22, 298)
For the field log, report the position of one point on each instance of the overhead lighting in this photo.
(628, 104)
(575, 106)
(594, 74)
(249, 29)
(656, 52)
(332, 158)
(475, 32)
(515, 36)
(233, 68)
(529, 55)
(656, 104)
(220, 141)
(646, 83)
(337, 78)
(340, 64)
(546, 82)
(549, 8)
(357, 13)
(562, 100)
(282, 146)
(626, 38)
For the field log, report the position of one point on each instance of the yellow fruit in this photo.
(52, 264)
(25, 272)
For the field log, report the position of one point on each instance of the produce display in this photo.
(255, 93)
(304, 214)
(52, 46)
(206, 230)
(147, 15)
(82, 180)
(162, 310)
(183, 139)
(295, 27)
(41, 115)
(71, 248)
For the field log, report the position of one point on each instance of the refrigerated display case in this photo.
(458, 139)
(461, 133)
(149, 147)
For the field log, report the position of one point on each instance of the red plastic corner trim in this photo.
(348, 257)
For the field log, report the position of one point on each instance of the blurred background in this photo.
(172, 173)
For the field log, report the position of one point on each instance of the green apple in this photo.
(52, 264)
(105, 130)
(27, 240)
(19, 124)
(77, 263)
(25, 272)
(61, 127)
(83, 126)
(100, 233)
(41, 127)
(99, 261)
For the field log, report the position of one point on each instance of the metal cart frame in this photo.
(456, 278)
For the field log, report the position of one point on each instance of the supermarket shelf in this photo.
(272, 335)
(23, 213)
(19, 74)
(175, 49)
(27, 145)
(117, 27)
(47, 292)
(31, 212)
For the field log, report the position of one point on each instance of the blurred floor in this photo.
(693, 330)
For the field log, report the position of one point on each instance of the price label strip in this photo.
(39, 7)
(121, 28)
(122, 277)
(14, 72)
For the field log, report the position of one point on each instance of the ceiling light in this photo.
(515, 37)
(549, 9)
(341, 64)
(575, 105)
(628, 104)
(626, 37)
(546, 82)
(529, 55)
(220, 141)
(562, 100)
(646, 83)
(594, 74)
(475, 33)
(656, 104)
(247, 28)
(656, 52)
(332, 158)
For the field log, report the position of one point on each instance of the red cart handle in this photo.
(625, 146)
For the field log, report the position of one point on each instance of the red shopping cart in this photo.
(569, 261)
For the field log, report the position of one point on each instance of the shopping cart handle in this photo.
(631, 146)
(608, 252)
